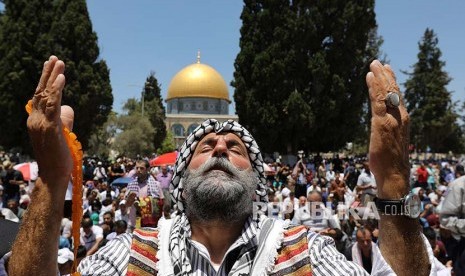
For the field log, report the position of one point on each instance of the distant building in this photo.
(196, 93)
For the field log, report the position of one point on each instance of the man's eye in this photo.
(236, 150)
(205, 149)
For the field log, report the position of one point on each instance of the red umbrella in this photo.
(164, 159)
(27, 169)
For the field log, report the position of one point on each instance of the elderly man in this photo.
(365, 252)
(164, 177)
(313, 214)
(218, 176)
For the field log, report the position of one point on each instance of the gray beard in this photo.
(224, 193)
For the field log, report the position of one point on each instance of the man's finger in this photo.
(58, 69)
(46, 71)
(390, 71)
(378, 70)
(393, 85)
(378, 106)
(369, 80)
(38, 100)
(57, 88)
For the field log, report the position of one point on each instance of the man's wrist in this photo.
(57, 181)
(393, 188)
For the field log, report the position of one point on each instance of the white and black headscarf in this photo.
(188, 148)
(180, 230)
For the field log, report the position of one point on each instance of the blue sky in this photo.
(164, 36)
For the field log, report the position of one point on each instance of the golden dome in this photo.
(199, 81)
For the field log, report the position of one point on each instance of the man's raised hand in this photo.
(389, 134)
(45, 122)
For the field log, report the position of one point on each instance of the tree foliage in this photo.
(433, 115)
(135, 136)
(300, 74)
(154, 108)
(168, 144)
(30, 32)
(100, 142)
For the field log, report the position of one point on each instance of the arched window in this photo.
(191, 128)
(178, 130)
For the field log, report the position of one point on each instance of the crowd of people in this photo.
(228, 212)
(333, 196)
(330, 196)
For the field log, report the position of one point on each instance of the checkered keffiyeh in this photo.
(188, 148)
(180, 229)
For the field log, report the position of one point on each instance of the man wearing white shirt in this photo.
(290, 204)
(91, 235)
(313, 214)
(366, 185)
(330, 175)
(314, 187)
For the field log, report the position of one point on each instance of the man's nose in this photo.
(221, 148)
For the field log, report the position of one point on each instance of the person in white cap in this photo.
(218, 180)
(99, 172)
(65, 261)
(122, 212)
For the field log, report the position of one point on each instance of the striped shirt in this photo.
(325, 259)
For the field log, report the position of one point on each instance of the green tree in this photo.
(33, 30)
(152, 104)
(132, 106)
(135, 136)
(300, 75)
(88, 87)
(168, 144)
(23, 34)
(101, 140)
(433, 115)
(261, 69)
(154, 108)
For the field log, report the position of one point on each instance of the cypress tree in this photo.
(433, 115)
(24, 46)
(261, 69)
(154, 108)
(88, 87)
(33, 30)
(300, 75)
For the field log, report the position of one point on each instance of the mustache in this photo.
(218, 163)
